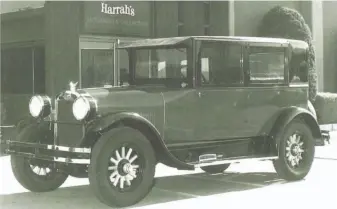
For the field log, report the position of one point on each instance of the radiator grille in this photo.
(69, 131)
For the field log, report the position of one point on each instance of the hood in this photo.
(115, 99)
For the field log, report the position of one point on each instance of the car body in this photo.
(200, 102)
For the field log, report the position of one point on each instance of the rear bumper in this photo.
(61, 154)
(325, 139)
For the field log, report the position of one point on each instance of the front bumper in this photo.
(6, 132)
(61, 154)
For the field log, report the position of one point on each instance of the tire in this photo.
(283, 165)
(215, 169)
(116, 195)
(21, 166)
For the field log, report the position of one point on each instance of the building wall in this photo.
(219, 18)
(166, 18)
(170, 14)
(330, 45)
(27, 29)
(248, 14)
(62, 30)
(14, 6)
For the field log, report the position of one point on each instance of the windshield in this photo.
(160, 66)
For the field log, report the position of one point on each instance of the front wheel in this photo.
(296, 147)
(122, 168)
(33, 174)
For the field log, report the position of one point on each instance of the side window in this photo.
(266, 65)
(298, 69)
(221, 63)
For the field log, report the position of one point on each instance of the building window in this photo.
(207, 10)
(180, 18)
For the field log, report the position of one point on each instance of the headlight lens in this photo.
(40, 106)
(81, 108)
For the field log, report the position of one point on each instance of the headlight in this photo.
(81, 108)
(40, 106)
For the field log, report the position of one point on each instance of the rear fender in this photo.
(136, 121)
(288, 115)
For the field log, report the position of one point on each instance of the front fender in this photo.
(136, 121)
(104, 123)
(289, 114)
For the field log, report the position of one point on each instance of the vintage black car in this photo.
(186, 102)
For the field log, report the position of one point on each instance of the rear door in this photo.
(267, 88)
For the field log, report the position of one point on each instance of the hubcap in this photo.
(294, 150)
(123, 169)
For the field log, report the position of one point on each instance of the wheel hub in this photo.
(294, 150)
(127, 168)
(123, 169)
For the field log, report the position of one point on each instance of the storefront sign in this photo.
(121, 10)
(120, 18)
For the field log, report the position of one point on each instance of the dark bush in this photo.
(325, 105)
(288, 23)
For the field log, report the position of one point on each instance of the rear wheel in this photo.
(296, 147)
(33, 174)
(214, 169)
(122, 168)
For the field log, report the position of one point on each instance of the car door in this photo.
(266, 89)
(221, 94)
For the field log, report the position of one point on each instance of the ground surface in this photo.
(253, 185)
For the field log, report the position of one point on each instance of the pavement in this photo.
(252, 184)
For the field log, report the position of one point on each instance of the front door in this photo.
(221, 92)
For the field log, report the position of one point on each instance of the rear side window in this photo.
(298, 72)
(266, 65)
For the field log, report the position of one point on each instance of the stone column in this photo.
(317, 33)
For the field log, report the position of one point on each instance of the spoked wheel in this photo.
(296, 151)
(122, 168)
(33, 174)
(215, 169)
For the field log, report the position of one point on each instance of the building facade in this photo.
(44, 45)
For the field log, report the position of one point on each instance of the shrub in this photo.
(288, 23)
(326, 108)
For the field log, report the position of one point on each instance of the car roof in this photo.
(171, 41)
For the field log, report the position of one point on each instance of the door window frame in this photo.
(247, 71)
(199, 43)
(104, 43)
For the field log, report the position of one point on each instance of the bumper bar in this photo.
(48, 152)
(325, 139)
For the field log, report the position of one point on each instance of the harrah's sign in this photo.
(120, 10)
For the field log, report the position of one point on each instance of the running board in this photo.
(232, 160)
